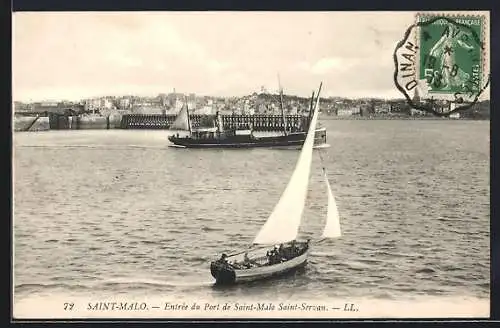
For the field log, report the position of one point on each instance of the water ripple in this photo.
(119, 210)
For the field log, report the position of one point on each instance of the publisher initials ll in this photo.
(350, 307)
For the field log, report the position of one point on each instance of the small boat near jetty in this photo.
(240, 137)
(275, 250)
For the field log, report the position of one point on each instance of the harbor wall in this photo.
(257, 122)
(62, 122)
(31, 123)
(115, 121)
(92, 122)
(54, 121)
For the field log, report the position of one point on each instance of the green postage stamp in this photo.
(443, 57)
(451, 53)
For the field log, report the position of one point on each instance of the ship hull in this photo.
(228, 275)
(291, 140)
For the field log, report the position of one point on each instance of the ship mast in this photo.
(187, 114)
(282, 108)
(309, 116)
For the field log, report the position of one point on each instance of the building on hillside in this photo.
(344, 111)
(124, 103)
(93, 104)
(382, 108)
(56, 107)
(417, 112)
(417, 101)
(149, 110)
(20, 107)
(204, 110)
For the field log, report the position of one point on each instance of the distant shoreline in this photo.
(397, 118)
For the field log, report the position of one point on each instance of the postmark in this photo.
(441, 62)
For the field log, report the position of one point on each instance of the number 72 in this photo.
(68, 306)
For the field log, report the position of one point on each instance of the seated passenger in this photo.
(276, 252)
(286, 253)
(271, 257)
(294, 249)
(282, 253)
(246, 261)
(223, 258)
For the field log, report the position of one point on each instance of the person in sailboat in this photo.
(269, 255)
(293, 248)
(274, 256)
(285, 252)
(281, 251)
(246, 261)
(223, 258)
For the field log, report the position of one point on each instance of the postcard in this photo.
(243, 165)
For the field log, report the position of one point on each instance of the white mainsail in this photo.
(182, 121)
(283, 223)
(332, 226)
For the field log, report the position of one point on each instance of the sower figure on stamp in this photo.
(444, 52)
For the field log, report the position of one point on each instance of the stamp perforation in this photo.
(455, 15)
(469, 60)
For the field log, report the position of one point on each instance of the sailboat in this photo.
(275, 249)
(218, 137)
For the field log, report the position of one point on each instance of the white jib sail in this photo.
(283, 223)
(332, 226)
(182, 120)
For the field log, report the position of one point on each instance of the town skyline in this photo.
(154, 96)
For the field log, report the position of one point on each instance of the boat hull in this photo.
(226, 275)
(292, 140)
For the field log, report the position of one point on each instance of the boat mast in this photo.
(282, 109)
(187, 114)
(284, 222)
(310, 109)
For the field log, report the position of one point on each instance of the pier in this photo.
(257, 122)
(143, 121)
(68, 121)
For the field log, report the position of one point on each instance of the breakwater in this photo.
(257, 122)
(157, 121)
(66, 122)
(31, 123)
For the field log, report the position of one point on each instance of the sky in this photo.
(70, 55)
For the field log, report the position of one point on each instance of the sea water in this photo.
(118, 216)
